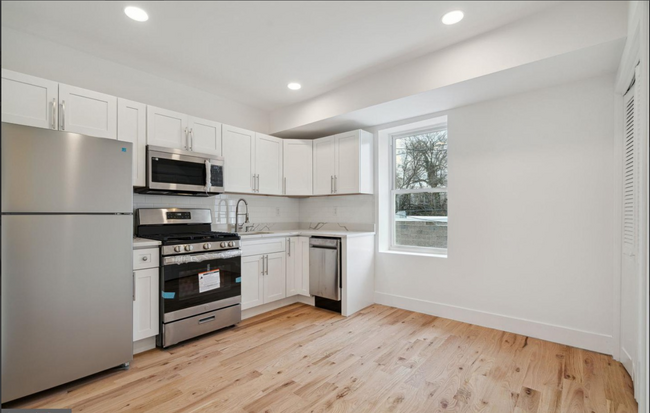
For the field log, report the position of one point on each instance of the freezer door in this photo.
(67, 306)
(51, 171)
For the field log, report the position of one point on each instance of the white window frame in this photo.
(393, 246)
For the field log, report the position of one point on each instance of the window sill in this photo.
(414, 253)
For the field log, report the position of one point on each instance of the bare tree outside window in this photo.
(420, 189)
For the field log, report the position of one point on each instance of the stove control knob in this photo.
(207, 246)
(189, 248)
(177, 248)
(223, 245)
(231, 244)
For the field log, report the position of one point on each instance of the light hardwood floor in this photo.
(302, 359)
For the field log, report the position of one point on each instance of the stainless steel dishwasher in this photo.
(325, 272)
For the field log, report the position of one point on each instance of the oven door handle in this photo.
(184, 259)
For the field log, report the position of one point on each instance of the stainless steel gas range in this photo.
(200, 272)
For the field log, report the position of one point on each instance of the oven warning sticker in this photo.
(209, 280)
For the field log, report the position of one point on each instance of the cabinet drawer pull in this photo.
(207, 319)
(145, 258)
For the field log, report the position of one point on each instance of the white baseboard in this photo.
(558, 334)
(264, 308)
(144, 345)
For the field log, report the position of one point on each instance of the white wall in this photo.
(44, 58)
(531, 184)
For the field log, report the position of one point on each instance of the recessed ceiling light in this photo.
(294, 86)
(136, 14)
(453, 17)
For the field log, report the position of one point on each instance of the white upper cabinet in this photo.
(29, 100)
(268, 164)
(87, 112)
(204, 136)
(132, 127)
(343, 164)
(239, 160)
(166, 128)
(324, 153)
(297, 166)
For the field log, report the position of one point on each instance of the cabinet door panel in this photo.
(166, 128)
(29, 100)
(252, 283)
(297, 168)
(292, 266)
(347, 163)
(302, 275)
(131, 127)
(238, 158)
(87, 112)
(145, 306)
(323, 165)
(205, 136)
(268, 164)
(275, 280)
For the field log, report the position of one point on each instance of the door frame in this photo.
(635, 53)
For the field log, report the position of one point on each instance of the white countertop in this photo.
(144, 242)
(307, 233)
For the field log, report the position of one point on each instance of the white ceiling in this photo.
(249, 51)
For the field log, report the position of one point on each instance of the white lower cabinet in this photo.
(298, 266)
(145, 305)
(263, 279)
(146, 290)
(252, 284)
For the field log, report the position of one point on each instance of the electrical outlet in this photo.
(336, 210)
(277, 211)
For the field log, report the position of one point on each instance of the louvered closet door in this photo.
(629, 271)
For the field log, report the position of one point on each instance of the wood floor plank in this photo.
(302, 359)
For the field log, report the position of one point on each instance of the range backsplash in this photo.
(336, 213)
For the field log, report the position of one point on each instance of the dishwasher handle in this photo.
(321, 242)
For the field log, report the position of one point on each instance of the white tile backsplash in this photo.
(351, 209)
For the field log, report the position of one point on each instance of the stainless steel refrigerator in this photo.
(67, 280)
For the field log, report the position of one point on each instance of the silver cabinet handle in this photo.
(267, 265)
(289, 241)
(284, 185)
(191, 139)
(262, 264)
(62, 121)
(253, 182)
(257, 183)
(185, 144)
(331, 184)
(133, 285)
(53, 113)
(336, 184)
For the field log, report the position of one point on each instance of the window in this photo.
(419, 190)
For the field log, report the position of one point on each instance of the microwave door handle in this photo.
(208, 176)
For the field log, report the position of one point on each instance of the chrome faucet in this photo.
(237, 225)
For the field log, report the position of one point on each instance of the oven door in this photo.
(183, 171)
(197, 283)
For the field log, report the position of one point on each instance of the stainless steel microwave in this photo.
(179, 172)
